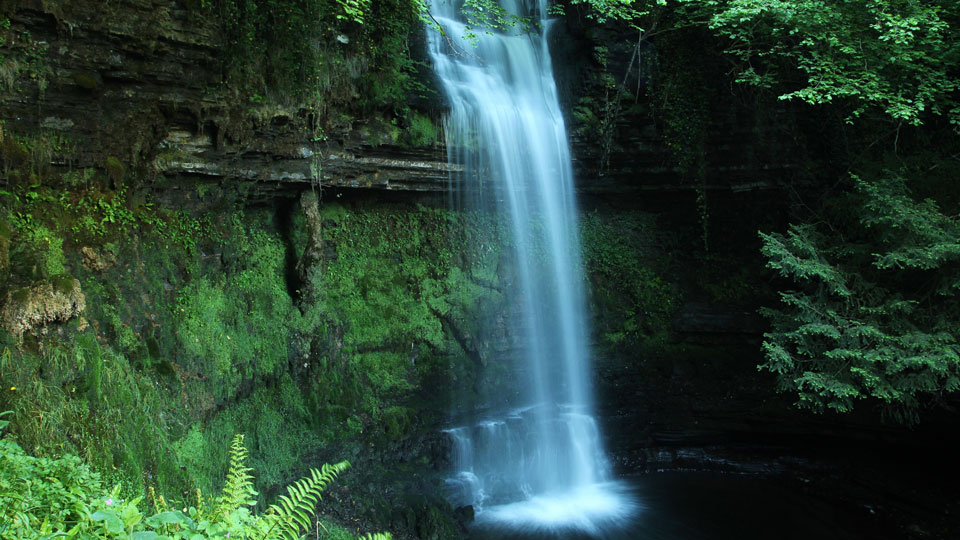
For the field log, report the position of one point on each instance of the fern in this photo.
(376, 536)
(293, 513)
(238, 490)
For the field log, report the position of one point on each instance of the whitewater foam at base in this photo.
(589, 509)
(541, 464)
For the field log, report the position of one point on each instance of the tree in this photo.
(875, 313)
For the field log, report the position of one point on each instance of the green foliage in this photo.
(39, 496)
(77, 205)
(897, 57)
(888, 55)
(238, 490)
(35, 250)
(49, 498)
(487, 16)
(628, 11)
(278, 425)
(21, 57)
(77, 397)
(292, 512)
(873, 314)
(893, 56)
(421, 131)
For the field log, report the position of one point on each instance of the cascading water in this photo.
(540, 464)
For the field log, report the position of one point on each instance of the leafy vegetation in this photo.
(194, 331)
(21, 58)
(63, 497)
(866, 323)
(895, 57)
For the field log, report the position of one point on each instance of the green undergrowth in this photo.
(172, 346)
(279, 428)
(64, 497)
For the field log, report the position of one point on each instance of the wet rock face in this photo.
(137, 81)
(105, 75)
(286, 162)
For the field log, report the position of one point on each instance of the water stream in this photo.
(538, 464)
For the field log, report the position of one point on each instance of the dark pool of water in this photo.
(707, 506)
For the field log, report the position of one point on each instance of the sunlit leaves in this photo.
(895, 57)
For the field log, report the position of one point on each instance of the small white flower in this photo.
(109, 501)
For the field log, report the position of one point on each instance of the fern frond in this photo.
(238, 490)
(377, 536)
(293, 512)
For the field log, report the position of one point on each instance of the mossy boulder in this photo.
(31, 308)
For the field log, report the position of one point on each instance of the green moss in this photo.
(6, 234)
(64, 283)
(421, 131)
(435, 524)
(194, 335)
(633, 299)
(238, 325)
(394, 281)
(396, 420)
(37, 252)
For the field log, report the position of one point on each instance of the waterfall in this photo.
(540, 463)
